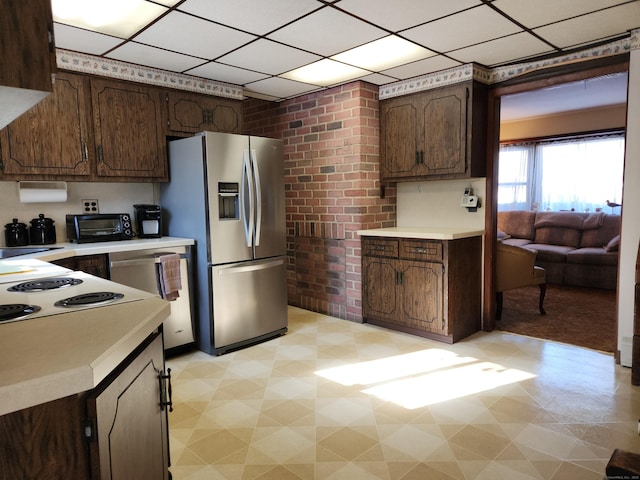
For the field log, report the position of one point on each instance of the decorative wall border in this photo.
(501, 74)
(80, 62)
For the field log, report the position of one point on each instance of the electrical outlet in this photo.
(90, 206)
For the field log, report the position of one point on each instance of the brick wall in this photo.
(332, 183)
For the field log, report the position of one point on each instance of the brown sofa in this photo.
(578, 249)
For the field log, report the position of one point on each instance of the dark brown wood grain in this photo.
(192, 113)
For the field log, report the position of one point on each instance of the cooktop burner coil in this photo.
(15, 311)
(43, 284)
(91, 298)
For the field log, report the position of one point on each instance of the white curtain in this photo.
(578, 174)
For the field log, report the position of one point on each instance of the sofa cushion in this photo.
(517, 223)
(565, 236)
(518, 242)
(592, 256)
(600, 235)
(559, 228)
(551, 253)
(613, 244)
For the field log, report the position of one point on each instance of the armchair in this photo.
(515, 269)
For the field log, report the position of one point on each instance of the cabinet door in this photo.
(422, 299)
(129, 130)
(26, 44)
(443, 135)
(51, 139)
(131, 429)
(399, 152)
(193, 113)
(379, 288)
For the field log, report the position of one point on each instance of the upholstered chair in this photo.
(515, 268)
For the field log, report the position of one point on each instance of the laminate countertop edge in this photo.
(425, 233)
(49, 358)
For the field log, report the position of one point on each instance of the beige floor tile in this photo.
(334, 399)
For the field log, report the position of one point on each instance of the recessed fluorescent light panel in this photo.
(387, 52)
(324, 73)
(120, 18)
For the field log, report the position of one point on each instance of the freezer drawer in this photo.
(137, 269)
(249, 302)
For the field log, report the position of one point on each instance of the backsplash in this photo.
(437, 204)
(112, 198)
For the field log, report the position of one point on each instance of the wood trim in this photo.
(536, 80)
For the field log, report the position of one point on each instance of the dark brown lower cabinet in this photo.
(117, 431)
(425, 287)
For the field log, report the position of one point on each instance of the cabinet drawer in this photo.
(379, 247)
(424, 250)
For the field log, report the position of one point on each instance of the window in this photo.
(578, 174)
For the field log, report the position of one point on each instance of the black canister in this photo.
(42, 231)
(16, 234)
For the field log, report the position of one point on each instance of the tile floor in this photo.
(334, 399)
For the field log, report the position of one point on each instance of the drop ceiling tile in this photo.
(462, 29)
(280, 87)
(327, 32)
(86, 41)
(401, 14)
(592, 27)
(502, 50)
(187, 34)
(378, 79)
(251, 16)
(268, 57)
(137, 53)
(422, 67)
(226, 73)
(542, 12)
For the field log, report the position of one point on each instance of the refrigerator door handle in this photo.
(247, 193)
(258, 193)
(250, 268)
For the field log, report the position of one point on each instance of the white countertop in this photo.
(67, 249)
(426, 233)
(43, 359)
(47, 358)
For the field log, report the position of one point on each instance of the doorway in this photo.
(533, 90)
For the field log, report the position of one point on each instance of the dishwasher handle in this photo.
(132, 262)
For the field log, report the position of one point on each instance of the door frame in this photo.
(534, 81)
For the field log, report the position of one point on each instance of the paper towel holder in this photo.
(42, 192)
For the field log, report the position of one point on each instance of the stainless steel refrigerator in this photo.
(226, 191)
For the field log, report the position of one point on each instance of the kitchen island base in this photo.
(113, 431)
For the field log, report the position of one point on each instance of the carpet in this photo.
(585, 317)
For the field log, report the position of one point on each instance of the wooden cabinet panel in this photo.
(52, 138)
(435, 134)
(97, 265)
(379, 287)
(27, 52)
(192, 113)
(130, 425)
(429, 287)
(128, 128)
(399, 149)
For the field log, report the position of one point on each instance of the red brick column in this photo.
(332, 182)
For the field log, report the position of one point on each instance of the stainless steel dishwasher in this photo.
(137, 269)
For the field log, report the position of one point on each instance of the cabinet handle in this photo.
(166, 391)
(100, 156)
(420, 250)
(422, 157)
(399, 277)
(417, 157)
(85, 152)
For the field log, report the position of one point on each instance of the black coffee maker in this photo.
(148, 220)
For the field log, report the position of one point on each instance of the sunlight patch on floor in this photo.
(425, 377)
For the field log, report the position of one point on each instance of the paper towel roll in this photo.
(42, 192)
